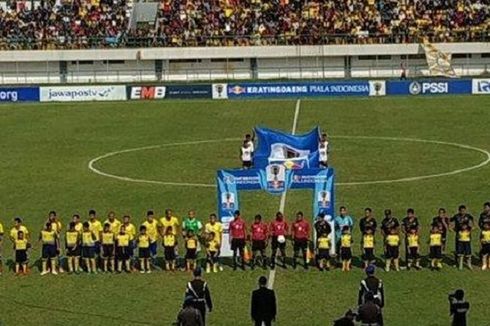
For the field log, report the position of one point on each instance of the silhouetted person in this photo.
(347, 320)
(263, 308)
(189, 316)
(458, 307)
(369, 312)
(198, 290)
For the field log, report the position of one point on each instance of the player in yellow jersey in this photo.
(169, 220)
(191, 250)
(18, 226)
(169, 248)
(73, 248)
(49, 239)
(122, 250)
(463, 246)
(485, 246)
(367, 246)
(78, 224)
(345, 248)
(1, 246)
(20, 246)
(57, 227)
(143, 242)
(114, 223)
(413, 248)
(131, 230)
(323, 252)
(216, 227)
(151, 225)
(88, 248)
(96, 228)
(107, 239)
(392, 242)
(213, 246)
(436, 243)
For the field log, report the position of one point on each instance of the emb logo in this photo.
(148, 92)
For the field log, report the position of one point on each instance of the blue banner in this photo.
(188, 91)
(428, 87)
(298, 89)
(230, 182)
(19, 94)
(292, 151)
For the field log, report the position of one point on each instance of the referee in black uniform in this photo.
(199, 291)
(374, 286)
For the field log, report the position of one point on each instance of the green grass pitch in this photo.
(45, 151)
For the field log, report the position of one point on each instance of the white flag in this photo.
(439, 63)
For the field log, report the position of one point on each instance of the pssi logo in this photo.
(416, 88)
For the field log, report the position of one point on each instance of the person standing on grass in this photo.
(57, 227)
(246, 155)
(131, 230)
(458, 308)
(198, 290)
(113, 222)
(73, 248)
(388, 223)
(88, 248)
(409, 223)
(215, 226)
(263, 308)
(151, 226)
(371, 284)
(462, 220)
(238, 235)
(18, 226)
(191, 223)
(278, 231)
(20, 247)
(108, 248)
(301, 233)
(122, 250)
(143, 243)
(368, 221)
(50, 242)
(95, 226)
(343, 219)
(249, 139)
(189, 316)
(484, 215)
(485, 246)
(369, 312)
(441, 221)
(259, 235)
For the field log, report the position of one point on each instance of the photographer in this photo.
(458, 307)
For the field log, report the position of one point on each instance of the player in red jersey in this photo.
(278, 231)
(301, 233)
(238, 234)
(259, 241)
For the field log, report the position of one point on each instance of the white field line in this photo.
(282, 204)
(91, 164)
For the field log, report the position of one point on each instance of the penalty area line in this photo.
(282, 204)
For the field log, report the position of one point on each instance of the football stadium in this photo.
(244, 162)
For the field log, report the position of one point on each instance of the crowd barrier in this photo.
(223, 91)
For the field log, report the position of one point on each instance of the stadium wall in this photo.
(232, 63)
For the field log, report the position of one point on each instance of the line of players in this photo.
(394, 234)
(110, 246)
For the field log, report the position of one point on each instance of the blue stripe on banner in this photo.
(19, 94)
(341, 88)
(428, 87)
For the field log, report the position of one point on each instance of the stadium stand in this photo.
(178, 23)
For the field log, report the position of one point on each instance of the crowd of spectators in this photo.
(57, 24)
(246, 22)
